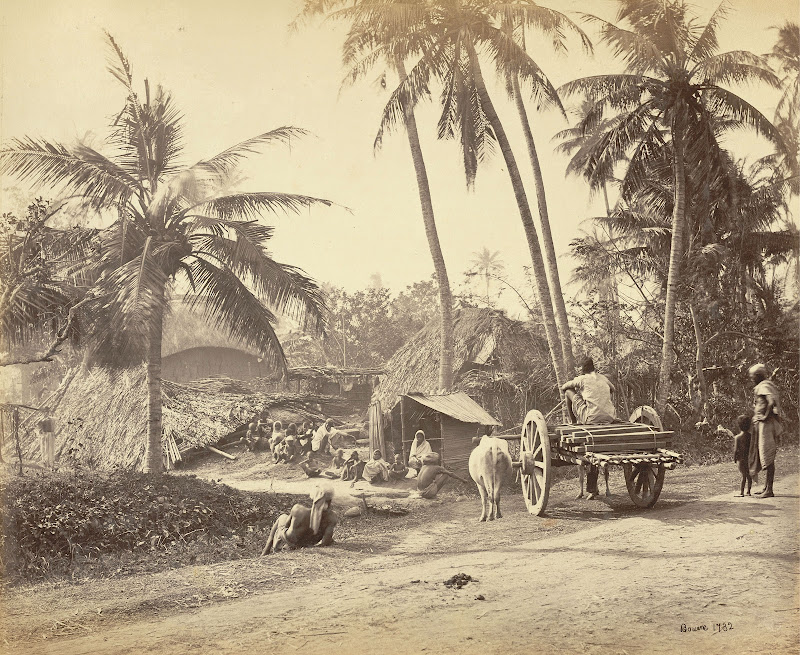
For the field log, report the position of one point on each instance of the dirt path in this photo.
(623, 582)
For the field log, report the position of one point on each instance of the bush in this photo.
(51, 521)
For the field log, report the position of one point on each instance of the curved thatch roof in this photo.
(502, 348)
(101, 414)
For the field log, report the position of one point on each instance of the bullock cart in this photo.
(640, 446)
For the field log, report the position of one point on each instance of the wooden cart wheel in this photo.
(535, 466)
(644, 481)
(646, 415)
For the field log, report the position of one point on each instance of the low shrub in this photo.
(51, 521)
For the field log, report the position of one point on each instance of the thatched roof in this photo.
(330, 372)
(487, 339)
(101, 414)
(185, 328)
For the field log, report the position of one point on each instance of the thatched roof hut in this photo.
(101, 414)
(502, 363)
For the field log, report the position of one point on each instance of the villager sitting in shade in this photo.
(741, 453)
(767, 426)
(304, 526)
(251, 437)
(419, 448)
(353, 467)
(337, 466)
(432, 477)
(588, 397)
(306, 436)
(322, 437)
(398, 470)
(309, 466)
(376, 470)
(278, 435)
(291, 444)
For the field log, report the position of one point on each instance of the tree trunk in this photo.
(428, 218)
(673, 277)
(537, 268)
(547, 237)
(699, 362)
(153, 457)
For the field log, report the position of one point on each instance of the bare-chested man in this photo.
(432, 477)
(304, 526)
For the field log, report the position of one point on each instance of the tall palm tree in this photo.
(674, 80)
(177, 228)
(553, 25)
(446, 36)
(368, 26)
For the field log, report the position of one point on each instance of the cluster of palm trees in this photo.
(176, 229)
(664, 114)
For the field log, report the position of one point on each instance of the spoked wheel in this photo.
(644, 481)
(535, 466)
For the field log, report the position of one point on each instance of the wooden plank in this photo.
(618, 448)
(219, 452)
(567, 430)
(611, 438)
(641, 429)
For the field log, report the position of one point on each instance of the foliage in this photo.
(367, 327)
(37, 286)
(51, 520)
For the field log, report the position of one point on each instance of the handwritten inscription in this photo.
(703, 627)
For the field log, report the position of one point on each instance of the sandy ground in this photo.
(591, 577)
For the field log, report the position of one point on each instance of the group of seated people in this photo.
(423, 464)
(290, 444)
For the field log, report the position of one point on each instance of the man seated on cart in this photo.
(589, 402)
(589, 397)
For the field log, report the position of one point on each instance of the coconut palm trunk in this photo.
(153, 460)
(537, 268)
(699, 361)
(547, 236)
(673, 276)
(428, 218)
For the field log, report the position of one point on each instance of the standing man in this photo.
(767, 426)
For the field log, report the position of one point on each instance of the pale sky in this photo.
(236, 70)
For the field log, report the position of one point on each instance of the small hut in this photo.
(502, 364)
(449, 422)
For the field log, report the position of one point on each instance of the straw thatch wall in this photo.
(502, 363)
(101, 415)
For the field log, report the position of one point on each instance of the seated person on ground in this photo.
(419, 448)
(309, 466)
(321, 440)
(291, 443)
(376, 470)
(589, 397)
(398, 470)
(278, 435)
(337, 465)
(304, 526)
(432, 477)
(353, 467)
(251, 437)
(306, 435)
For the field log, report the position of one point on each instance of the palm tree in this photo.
(371, 27)
(446, 37)
(553, 25)
(487, 264)
(674, 80)
(176, 228)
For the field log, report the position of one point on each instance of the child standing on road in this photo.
(741, 445)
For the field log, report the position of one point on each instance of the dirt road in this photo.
(724, 569)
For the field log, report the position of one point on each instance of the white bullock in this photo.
(489, 465)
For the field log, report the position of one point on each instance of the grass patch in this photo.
(80, 523)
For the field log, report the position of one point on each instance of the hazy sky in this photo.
(236, 70)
